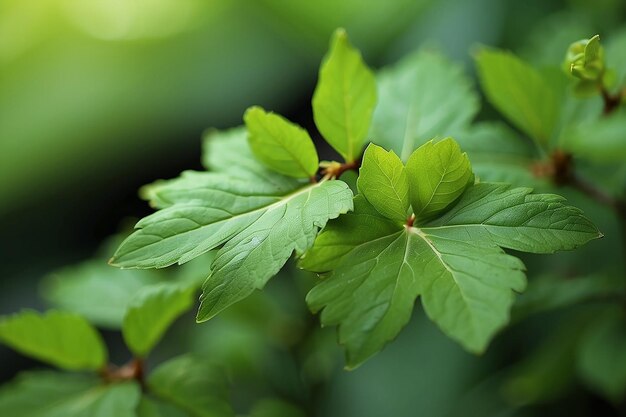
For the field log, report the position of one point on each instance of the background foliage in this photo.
(97, 101)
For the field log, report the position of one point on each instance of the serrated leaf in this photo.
(415, 103)
(340, 237)
(151, 311)
(81, 289)
(601, 360)
(193, 384)
(258, 250)
(281, 145)
(519, 92)
(516, 219)
(383, 182)
(465, 289)
(55, 394)
(600, 140)
(65, 340)
(438, 173)
(454, 262)
(344, 99)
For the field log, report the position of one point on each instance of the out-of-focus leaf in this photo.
(519, 92)
(194, 384)
(62, 339)
(546, 372)
(601, 140)
(499, 154)
(344, 98)
(273, 407)
(96, 291)
(602, 355)
(550, 292)
(151, 311)
(421, 97)
(54, 394)
(153, 407)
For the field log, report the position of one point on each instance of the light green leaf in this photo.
(515, 219)
(601, 359)
(344, 98)
(228, 152)
(383, 181)
(151, 311)
(55, 394)
(600, 140)
(454, 262)
(519, 92)
(281, 145)
(81, 289)
(415, 103)
(65, 340)
(193, 384)
(264, 243)
(438, 174)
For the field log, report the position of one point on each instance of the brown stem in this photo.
(611, 101)
(133, 370)
(410, 220)
(335, 171)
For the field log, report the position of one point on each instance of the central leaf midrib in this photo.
(284, 200)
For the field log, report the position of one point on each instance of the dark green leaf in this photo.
(193, 384)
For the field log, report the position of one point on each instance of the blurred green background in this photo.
(100, 97)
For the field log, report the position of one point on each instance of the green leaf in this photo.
(516, 219)
(454, 262)
(81, 289)
(601, 360)
(153, 407)
(519, 92)
(281, 145)
(193, 384)
(228, 152)
(415, 103)
(344, 98)
(65, 340)
(151, 311)
(499, 154)
(264, 243)
(600, 140)
(383, 181)
(54, 394)
(438, 174)
(551, 292)
(340, 237)
(272, 407)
